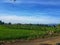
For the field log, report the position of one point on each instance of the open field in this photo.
(27, 32)
(19, 34)
(7, 33)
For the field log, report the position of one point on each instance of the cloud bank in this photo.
(30, 19)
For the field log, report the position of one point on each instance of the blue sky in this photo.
(30, 11)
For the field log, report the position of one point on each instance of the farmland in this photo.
(27, 31)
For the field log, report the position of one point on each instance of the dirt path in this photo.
(51, 41)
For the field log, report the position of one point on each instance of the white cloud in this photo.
(29, 19)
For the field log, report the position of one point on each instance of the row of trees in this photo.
(2, 23)
(45, 25)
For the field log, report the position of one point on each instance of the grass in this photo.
(20, 34)
(12, 32)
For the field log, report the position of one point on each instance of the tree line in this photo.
(2, 23)
(47, 25)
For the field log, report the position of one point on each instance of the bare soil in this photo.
(47, 41)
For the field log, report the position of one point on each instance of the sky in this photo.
(30, 11)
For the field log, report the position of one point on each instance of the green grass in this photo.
(23, 32)
(6, 33)
(20, 34)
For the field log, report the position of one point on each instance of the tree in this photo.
(9, 23)
(1, 23)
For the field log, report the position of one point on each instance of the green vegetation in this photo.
(27, 31)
